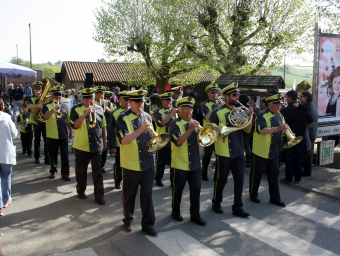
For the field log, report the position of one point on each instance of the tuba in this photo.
(157, 141)
(44, 97)
(291, 139)
(239, 118)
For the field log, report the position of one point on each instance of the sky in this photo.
(60, 30)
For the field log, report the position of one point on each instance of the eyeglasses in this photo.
(187, 110)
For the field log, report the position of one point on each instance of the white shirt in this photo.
(8, 132)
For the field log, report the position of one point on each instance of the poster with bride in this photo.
(329, 79)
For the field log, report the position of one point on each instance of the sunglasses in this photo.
(235, 94)
(187, 110)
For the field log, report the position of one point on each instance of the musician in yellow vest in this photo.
(163, 117)
(26, 131)
(113, 139)
(137, 163)
(38, 129)
(207, 108)
(229, 154)
(58, 131)
(108, 108)
(185, 161)
(90, 139)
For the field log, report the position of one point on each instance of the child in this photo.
(26, 130)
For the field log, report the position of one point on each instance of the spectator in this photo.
(27, 91)
(296, 119)
(17, 97)
(4, 108)
(8, 132)
(79, 95)
(263, 104)
(189, 90)
(306, 100)
(252, 102)
(9, 92)
(5, 98)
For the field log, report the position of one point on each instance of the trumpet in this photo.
(57, 111)
(291, 139)
(92, 122)
(25, 124)
(239, 118)
(219, 99)
(157, 141)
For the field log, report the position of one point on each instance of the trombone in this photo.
(92, 122)
(291, 139)
(239, 118)
(157, 141)
(57, 111)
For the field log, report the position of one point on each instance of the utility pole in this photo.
(17, 56)
(29, 25)
(284, 68)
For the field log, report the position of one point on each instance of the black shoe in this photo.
(205, 178)
(306, 174)
(47, 162)
(82, 196)
(103, 170)
(37, 161)
(128, 227)
(100, 201)
(199, 221)
(255, 200)
(217, 209)
(30, 156)
(159, 183)
(278, 203)
(247, 165)
(117, 185)
(178, 217)
(66, 178)
(241, 213)
(23, 154)
(286, 182)
(150, 232)
(53, 175)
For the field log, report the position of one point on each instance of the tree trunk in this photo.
(162, 82)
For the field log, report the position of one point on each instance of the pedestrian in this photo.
(5, 98)
(26, 130)
(17, 97)
(8, 132)
(27, 91)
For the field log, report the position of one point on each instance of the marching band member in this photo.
(266, 146)
(89, 142)
(57, 116)
(229, 154)
(26, 131)
(207, 108)
(163, 117)
(137, 163)
(114, 143)
(176, 96)
(185, 161)
(107, 109)
(38, 129)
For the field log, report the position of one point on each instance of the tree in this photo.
(14, 60)
(328, 13)
(102, 60)
(241, 36)
(58, 63)
(49, 71)
(152, 33)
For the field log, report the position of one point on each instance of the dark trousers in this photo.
(26, 142)
(258, 166)
(52, 147)
(131, 181)
(247, 138)
(38, 131)
(162, 156)
(224, 166)
(104, 155)
(82, 160)
(293, 158)
(207, 152)
(194, 181)
(308, 162)
(117, 170)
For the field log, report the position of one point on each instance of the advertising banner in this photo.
(329, 79)
(326, 154)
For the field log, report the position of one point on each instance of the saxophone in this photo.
(44, 97)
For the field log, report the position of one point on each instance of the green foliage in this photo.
(328, 13)
(49, 71)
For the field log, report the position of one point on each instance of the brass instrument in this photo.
(66, 96)
(92, 122)
(25, 124)
(57, 112)
(148, 101)
(44, 97)
(207, 135)
(239, 118)
(219, 99)
(291, 139)
(157, 141)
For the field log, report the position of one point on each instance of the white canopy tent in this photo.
(14, 71)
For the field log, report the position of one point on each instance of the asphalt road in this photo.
(46, 217)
